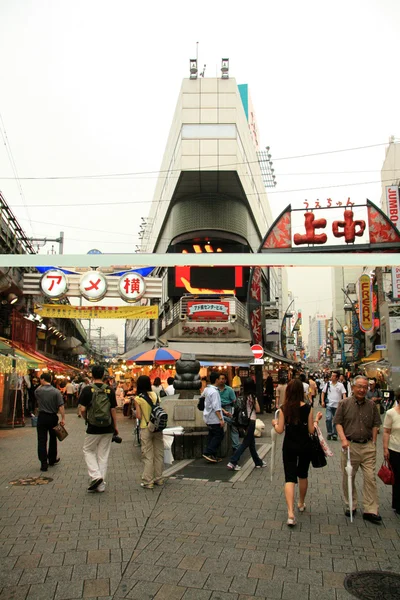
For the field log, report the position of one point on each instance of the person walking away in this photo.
(152, 444)
(252, 407)
(391, 448)
(98, 407)
(170, 390)
(306, 388)
(268, 394)
(213, 417)
(69, 390)
(50, 402)
(228, 401)
(332, 393)
(313, 390)
(357, 421)
(280, 392)
(296, 420)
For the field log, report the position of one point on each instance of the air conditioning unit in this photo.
(182, 317)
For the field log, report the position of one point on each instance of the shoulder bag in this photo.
(318, 459)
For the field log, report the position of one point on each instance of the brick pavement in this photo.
(190, 539)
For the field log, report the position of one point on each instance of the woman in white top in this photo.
(157, 388)
(391, 448)
(249, 393)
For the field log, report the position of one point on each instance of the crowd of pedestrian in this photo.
(352, 416)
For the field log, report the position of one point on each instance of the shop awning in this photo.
(375, 356)
(8, 349)
(278, 357)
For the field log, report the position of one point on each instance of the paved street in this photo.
(192, 539)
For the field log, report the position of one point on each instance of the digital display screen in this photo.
(213, 277)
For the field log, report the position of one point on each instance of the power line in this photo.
(13, 165)
(130, 202)
(159, 172)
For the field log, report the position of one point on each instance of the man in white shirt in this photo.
(212, 416)
(170, 390)
(332, 393)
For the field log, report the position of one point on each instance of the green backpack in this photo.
(99, 411)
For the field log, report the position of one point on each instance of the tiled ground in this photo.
(190, 539)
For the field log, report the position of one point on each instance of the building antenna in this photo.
(197, 52)
(203, 71)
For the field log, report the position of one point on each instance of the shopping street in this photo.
(192, 539)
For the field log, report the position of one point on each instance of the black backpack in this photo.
(240, 413)
(158, 416)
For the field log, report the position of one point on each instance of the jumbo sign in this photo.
(366, 313)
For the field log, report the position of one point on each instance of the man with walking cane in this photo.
(357, 421)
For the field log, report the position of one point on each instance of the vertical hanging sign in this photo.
(366, 314)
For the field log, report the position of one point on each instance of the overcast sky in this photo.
(88, 88)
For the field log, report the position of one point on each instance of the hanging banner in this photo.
(272, 324)
(364, 292)
(65, 311)
(394, 321)
(396, 282)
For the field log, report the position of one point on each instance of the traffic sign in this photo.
(257, 350)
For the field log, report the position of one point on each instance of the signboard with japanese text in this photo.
(366, 313)
(66, 311)
(132, 287)
(396, 282)
(394, 321)
(393, 204)
(326, 225)
(54, 284)
(208, 311)
(93, 286)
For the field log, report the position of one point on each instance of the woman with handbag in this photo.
(152, 443)
(296, 420)
(391, 448)
(251, 408)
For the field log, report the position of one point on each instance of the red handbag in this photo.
(386, 473)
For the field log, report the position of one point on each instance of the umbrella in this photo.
(273, 444)
(161, 356)
(349, 471)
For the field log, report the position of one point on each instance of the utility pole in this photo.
(59, 241)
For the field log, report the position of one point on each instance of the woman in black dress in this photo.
(296, 419)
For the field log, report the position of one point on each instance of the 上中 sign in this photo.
(132, 287)
(54, 284)
(93, 286)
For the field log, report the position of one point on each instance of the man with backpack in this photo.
(98, 407)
